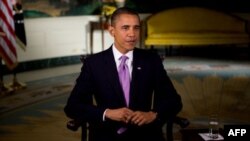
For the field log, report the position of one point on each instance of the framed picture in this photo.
(54, 8)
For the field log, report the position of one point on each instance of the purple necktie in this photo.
(124, 77)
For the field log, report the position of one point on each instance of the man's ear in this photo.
(111, 30)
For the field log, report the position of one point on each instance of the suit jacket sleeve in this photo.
(167, 102)
(80, 102)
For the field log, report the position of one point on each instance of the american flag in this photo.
(8, 42)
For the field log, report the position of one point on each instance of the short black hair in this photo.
(122, 10)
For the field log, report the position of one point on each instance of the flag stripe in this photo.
(7, 17)
(8, 42)
(8, 61)
(10, 49)
(6, 23)
(6, 53)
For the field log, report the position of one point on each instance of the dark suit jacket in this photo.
(150, 85)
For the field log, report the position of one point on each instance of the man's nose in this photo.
(132, 32)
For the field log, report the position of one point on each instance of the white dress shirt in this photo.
(117, 55)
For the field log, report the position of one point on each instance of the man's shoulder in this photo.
(97, 56)
(146, 52)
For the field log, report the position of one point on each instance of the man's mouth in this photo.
(131, 41)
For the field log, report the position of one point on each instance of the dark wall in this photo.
(223, 5)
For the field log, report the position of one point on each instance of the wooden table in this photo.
(97, 25)
(193, 134)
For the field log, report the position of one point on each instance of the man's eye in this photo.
(124, 27)
(137, 27)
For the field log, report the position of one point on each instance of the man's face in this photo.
(126, 32)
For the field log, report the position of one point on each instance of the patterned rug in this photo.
(212, 87)
(36, 113)
(181, 66)
(37, 91)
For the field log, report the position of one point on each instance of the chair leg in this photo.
(84, 134)
(169, 129)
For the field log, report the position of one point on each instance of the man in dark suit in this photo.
(114, 116)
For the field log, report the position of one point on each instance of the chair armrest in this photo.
(74, 125)
(183, 122)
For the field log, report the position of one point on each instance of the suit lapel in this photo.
(137, 66)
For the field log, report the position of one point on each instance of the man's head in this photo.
(122, 10)
(125, 28)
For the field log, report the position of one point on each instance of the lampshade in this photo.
(120, 3)
(108, 10)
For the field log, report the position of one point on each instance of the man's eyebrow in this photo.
(123, 26)
(131, 25)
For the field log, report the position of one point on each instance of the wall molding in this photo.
(43, 63)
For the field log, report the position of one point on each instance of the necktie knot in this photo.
(123, 59)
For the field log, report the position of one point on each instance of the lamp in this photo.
(108, 10)
(120, 3)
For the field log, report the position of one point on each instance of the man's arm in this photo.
(80, 102)
(167, 102)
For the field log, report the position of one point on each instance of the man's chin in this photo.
(130, 47)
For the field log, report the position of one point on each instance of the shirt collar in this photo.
(118, 54)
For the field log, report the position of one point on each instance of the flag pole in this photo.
(21, 40)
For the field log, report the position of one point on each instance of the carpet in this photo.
(206, 86)
(212, 87)
(36, 113)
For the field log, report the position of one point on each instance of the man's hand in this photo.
(126, 115)
(121, 114)
(140, 118)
